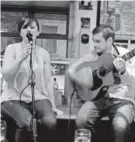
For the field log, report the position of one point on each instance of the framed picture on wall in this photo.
(85, 23)
(85, 5)
(120, 15)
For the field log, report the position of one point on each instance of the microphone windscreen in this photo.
(29, 36)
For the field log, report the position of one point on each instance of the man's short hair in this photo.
(107, 31)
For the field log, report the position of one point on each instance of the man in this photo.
(118, 102)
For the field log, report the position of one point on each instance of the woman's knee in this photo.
(49, 121)
(24, 123)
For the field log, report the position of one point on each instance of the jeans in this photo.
(21, 113)
(120, 112)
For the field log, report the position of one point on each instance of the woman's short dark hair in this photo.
(30, 19)
(107, 31)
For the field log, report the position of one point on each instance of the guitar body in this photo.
(85, 74)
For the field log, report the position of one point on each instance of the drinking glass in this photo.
(82, 135)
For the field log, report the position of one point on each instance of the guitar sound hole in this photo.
(97, 82)
(102, 71)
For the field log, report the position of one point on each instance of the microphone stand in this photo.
(33, 125)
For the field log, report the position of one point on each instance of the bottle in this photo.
(55, 84)
(56, 93)
(117, 20)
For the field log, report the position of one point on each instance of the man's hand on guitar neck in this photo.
(120, 65)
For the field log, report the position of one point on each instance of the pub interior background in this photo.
(64, 27)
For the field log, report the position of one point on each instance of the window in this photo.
(56, 48)
(52, 23)
(9, 21)
(53, 29)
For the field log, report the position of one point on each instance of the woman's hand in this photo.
(26, 50)
(58, 112)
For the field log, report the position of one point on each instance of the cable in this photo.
(70, 104)
(29, 83)
(23, 90)
(116, 49)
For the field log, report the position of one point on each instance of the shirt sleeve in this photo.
(129, 76)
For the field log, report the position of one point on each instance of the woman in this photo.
(17, 97)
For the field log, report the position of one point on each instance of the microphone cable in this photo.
(29, 83)
(70, 105)
(32, 75)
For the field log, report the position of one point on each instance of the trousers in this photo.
(21, 113)
(120, 112)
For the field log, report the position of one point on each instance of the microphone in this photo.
(29, 36)
(30, 39)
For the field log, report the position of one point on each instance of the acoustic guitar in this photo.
(102, 76)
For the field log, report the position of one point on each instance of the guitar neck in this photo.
(128, 55)
(125, 57)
